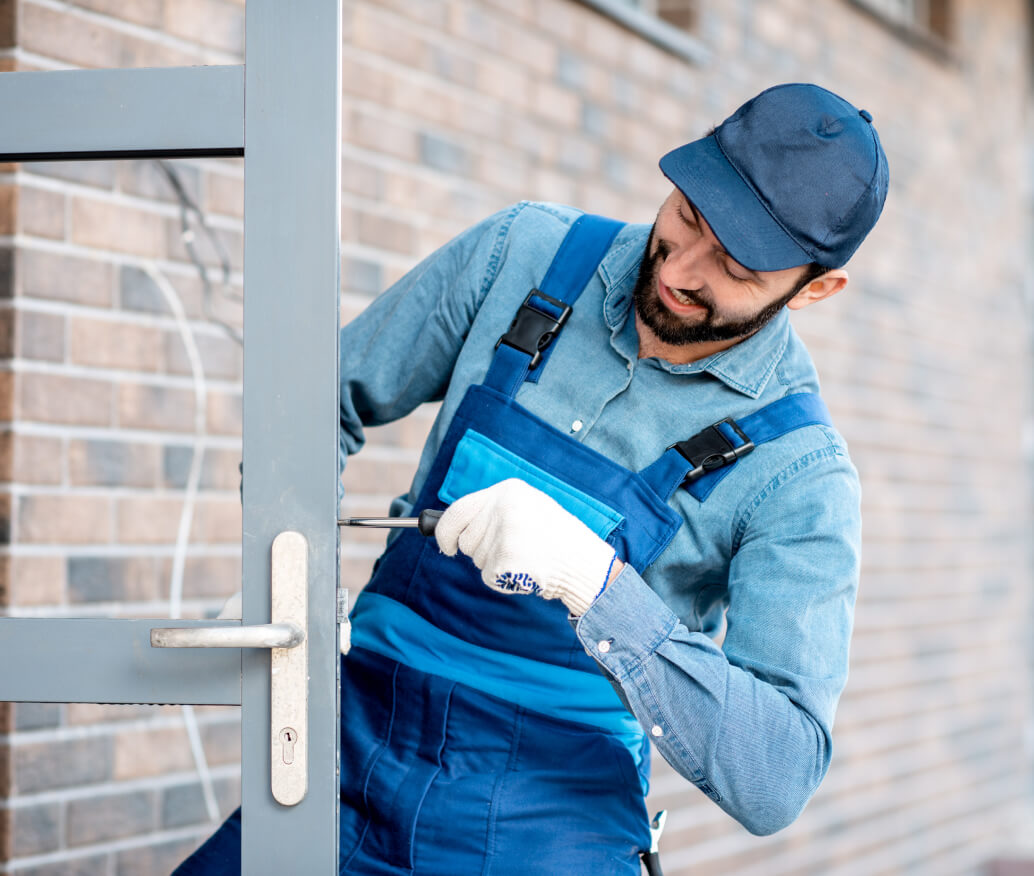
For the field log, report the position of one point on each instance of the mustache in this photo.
(694, 295)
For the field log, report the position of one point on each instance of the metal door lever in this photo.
(256, 636)
(289, 661)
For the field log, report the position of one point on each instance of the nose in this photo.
(684, 266)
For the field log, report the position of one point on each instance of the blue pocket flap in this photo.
(479, 463)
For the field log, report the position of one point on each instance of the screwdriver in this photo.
(425, 523)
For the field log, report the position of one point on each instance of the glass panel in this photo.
(121, 461)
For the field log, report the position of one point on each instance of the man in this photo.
(624, 478)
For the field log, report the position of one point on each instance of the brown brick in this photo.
(529, 49)
(112, 463)
(63, 520)
(109, 816)
(35, 459)
(156, 407)
(109, 226)
(34, 830)
(41, 212)
(102, 344)
(6, 456)
(384, 135)
(386, 36)
(222, 742)
(48, 765)
(384, 232)
(148, 179)
(55, 398)
(229, 245)
(100, 713)
(7, 320)
(8, 388)
(97, 174)
(40, 336)
(138, 292)
(87, 865)
(145, 12)
(65, 278)
(161, 857)
(219, 470)
(362, 178)
(37, 716)
(84, 42)
(505, 81)
(8, 23)
(224, 194)
(36, 580)
(6, 505)
(69, 38)
(214, 23)
(430, 12)
(221, 357)
(7, 278)
(224, 413)
(211, 577)
(113, 579)
(8, 209)
(148, 520)
(217, 521)
(141, 753)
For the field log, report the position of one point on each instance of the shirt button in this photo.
(576, 426)
(603, 646)
(656, 730)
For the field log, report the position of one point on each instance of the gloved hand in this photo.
(524, 542)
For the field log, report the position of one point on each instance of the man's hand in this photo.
(524, 542)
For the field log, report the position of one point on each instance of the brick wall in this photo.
(453, 108)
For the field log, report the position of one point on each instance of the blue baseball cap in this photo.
(795, 175)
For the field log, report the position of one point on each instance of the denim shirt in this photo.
(767, 564)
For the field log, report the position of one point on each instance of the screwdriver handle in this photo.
(428, 521)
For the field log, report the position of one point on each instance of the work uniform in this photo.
(485, 732)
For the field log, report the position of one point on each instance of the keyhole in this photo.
(288, 737)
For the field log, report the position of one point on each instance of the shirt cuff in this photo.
(625, 624)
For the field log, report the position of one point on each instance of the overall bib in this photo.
(477, 736)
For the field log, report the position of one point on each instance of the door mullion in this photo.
(291, 267)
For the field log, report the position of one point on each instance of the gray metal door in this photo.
(281, 111)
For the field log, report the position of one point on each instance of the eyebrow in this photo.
(719, 249)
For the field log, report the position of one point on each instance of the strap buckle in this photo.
(709, 449)
(534, 328)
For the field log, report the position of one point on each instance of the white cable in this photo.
(187, 512)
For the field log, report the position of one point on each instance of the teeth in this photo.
(678, 296)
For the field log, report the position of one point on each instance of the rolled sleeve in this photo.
(749, 723)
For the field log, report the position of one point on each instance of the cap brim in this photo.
(742, 224)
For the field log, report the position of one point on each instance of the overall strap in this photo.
(699, 463)
(521, 352)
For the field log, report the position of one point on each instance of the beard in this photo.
(676, 330)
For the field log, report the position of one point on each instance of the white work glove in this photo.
(524, 542)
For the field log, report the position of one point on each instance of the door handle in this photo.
(256, 636)
(287, 638)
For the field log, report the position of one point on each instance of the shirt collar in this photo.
(745, 367)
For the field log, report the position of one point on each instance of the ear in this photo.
(824, 286)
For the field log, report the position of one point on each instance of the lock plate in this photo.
(289, 669)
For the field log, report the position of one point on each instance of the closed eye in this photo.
(731, 275)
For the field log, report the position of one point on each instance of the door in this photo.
(281, 111)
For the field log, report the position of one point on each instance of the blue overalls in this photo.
(477, 736)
